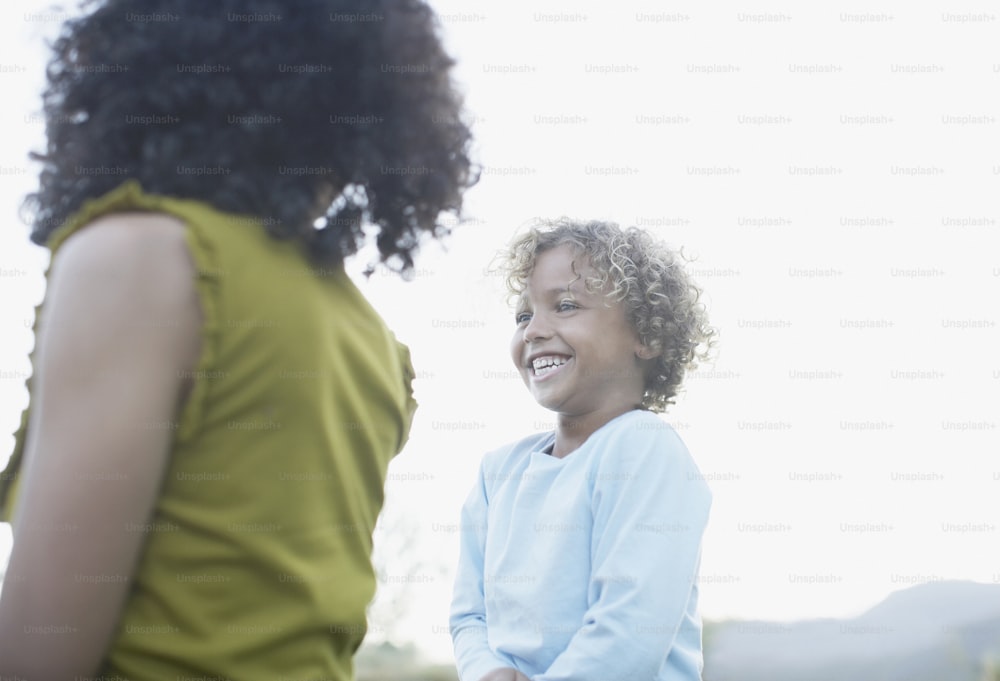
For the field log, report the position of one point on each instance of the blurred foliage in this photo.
(401, 568)
(991, 670)
(387, 662)
(436, 673)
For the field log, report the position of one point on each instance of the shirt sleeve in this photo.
(650, 508)
(473, 655)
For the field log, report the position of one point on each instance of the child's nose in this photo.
(536, 329)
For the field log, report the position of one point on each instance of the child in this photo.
(580, 547)
(214, 403)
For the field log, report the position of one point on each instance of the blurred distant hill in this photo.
(938, 631)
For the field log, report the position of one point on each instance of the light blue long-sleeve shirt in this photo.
(584, 568)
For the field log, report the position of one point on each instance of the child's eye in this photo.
(522, 317)
(566, 305)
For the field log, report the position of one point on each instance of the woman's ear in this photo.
(645, 352)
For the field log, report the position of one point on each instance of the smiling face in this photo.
(575, 349)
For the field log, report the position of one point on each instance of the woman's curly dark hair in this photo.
(280, 109)
(662, 302)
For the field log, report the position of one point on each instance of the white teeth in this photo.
(543, 365)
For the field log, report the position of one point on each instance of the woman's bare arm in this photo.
(119, 332)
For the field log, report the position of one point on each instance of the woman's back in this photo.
(213, 403)
(256, 559)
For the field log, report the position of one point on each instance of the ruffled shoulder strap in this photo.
(129, 196)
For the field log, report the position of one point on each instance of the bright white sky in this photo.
(836, 174)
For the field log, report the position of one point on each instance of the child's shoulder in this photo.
(642, 427)
(640, 439)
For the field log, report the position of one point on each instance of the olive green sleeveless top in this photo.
(257, 559)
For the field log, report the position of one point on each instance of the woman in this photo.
(214, 404)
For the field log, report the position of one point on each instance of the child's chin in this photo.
(547, 402)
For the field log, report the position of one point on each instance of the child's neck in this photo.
(573, 431)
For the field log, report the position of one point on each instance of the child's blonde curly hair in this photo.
(661, 301)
